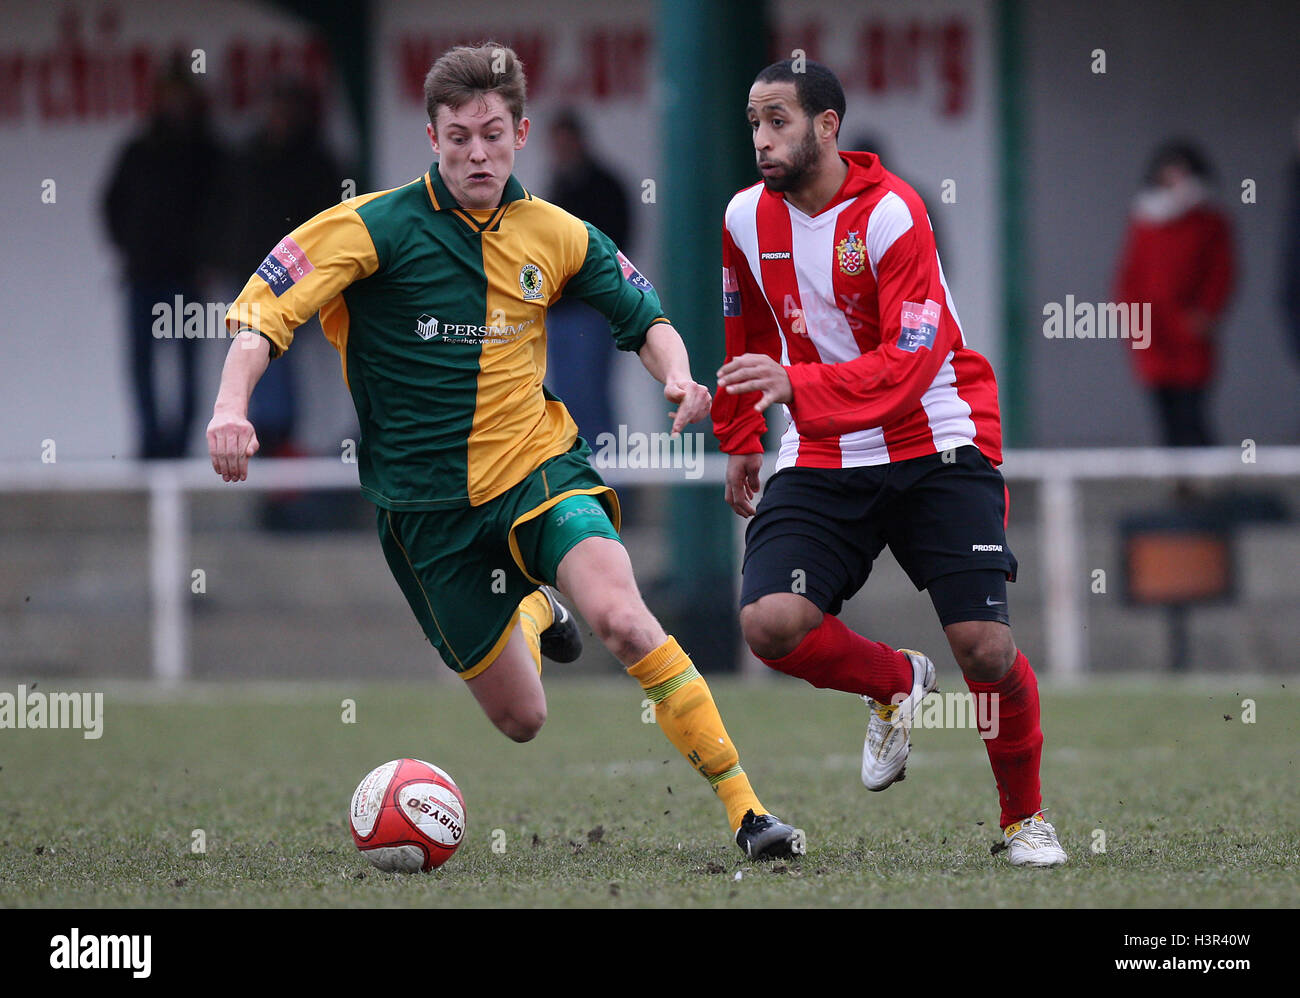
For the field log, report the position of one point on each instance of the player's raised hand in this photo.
(756, 372)
(231, 442)
(742, 482)
(692, 400)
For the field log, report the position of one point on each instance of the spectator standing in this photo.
(579, 345)
(283, 176)
(156, 208)
(1178, 257)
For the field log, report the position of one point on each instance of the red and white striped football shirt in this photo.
(853, 302)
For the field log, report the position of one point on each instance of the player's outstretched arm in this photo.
(231, 438)
(664, 355)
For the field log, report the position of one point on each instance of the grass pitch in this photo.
(1192, 809)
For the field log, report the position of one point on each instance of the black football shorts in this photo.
(817, 532)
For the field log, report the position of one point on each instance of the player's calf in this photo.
(510, 691)
(596, 575)
(627, 629)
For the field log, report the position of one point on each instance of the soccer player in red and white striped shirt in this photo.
(835, 305)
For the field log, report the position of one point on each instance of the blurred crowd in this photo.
(191, 217)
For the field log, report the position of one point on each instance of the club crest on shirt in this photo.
(530, 281)
(851, 253)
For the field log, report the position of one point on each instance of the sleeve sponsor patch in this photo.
(632, 275)
(920, 325)
(730, 292)
(284, 266)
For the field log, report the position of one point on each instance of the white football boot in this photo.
(1032, 842)
(889, 727)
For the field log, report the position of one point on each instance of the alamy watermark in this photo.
(179, 319)
(1108, 320)
(954, 710)
(34, 709)
(635, 449)
(97, 951)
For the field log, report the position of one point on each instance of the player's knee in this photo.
(772, 631)
(521, 724)
(985, 655)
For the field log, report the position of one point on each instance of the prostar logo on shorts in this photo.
(429, 327)
(284, 266)
(920, 323)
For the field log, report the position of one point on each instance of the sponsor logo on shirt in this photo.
(986, 547)
(782, 255)
(530, 281)
(920, 324)
(632, 275)
(730, 292)
(429, 327)
(284, 266)
(851, 254)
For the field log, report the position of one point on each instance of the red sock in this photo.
(1016, 751)
(832, 657)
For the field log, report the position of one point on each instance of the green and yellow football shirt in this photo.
(439, 317)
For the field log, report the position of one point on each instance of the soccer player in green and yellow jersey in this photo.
(435, 295)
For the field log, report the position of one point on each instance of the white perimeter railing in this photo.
(1058, 472)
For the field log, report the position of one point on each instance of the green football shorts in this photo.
(464, 571)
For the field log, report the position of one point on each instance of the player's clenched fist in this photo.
(231, 442)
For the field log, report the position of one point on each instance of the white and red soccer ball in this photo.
(407, 816)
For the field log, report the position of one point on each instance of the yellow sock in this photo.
(685, 710)
(535, 616)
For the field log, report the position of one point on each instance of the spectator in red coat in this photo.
(1178, 256)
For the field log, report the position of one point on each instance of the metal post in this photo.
(748, 664)
(1063, 612)
(1015, 259)
(707, 65)
(1179, 638)
(168, 530)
